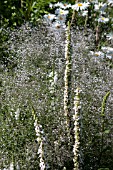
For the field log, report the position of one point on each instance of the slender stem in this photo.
(97, 35)
(105, 98)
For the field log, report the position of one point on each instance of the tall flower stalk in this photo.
(39, 140)
(67, 76)
(76, 118)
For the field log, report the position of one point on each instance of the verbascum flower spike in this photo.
(67, 75)
(39, 140)
(76, 119)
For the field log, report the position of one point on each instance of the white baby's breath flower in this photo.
(80, 6)
(103, 19)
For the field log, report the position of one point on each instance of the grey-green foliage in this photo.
(38, 51)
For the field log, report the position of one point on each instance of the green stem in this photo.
(104, 101)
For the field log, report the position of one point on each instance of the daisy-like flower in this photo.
(61, 18)
(80, 6)
(103, 19)
(61, 12)
(57, 25)
(99, 54)
(49, 17)
(62, 5)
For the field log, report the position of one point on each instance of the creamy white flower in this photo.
(61, 12)
(58, 25)
(62, 5)
(103, 19)
(49, 17)
(61, 18)
(80, 6)
(99, 54)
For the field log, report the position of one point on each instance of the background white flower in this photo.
(60, 11)
(103, 19)
(49, 17)
(80, 6)
(62, 5)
